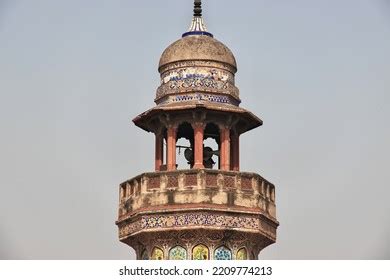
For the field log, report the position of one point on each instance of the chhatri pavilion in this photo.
(211, 209)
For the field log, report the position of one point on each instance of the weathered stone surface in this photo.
(214, 201)
(197, 48)
(202, 187)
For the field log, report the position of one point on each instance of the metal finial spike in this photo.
(197, 26)
(197, 8)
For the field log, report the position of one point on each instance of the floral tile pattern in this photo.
(222, 253)
(157, 254)
(178, 253)
(200, 252)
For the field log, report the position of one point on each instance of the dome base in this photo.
(189, 33)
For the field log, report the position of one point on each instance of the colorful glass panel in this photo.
(200, 252)
(157, 254)
(178, 253)
(222, 253)
(242, 254)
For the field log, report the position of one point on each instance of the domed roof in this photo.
(197, 47)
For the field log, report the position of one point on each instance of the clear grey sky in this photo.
(74, 73)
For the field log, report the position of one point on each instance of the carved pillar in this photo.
(235, 151)
(159, 151)
(225, 148)
(171, 148)
(198, 145)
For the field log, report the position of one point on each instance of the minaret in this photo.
(211, 209)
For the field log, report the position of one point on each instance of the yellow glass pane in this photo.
(242, 254)
(157, 254)
(200, 252)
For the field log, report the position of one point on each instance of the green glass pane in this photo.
(178, 253)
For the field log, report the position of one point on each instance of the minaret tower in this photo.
(210, 209)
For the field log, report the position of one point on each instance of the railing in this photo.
(170, 190)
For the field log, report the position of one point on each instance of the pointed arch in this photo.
(185, 146)
(157, 254)
(144, 255)
(242, 254)
(222, 253)
(212, 145)
(178, 253)
(200, 252)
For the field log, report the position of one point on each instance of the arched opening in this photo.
(211, 146)
(164, 156)
(234, 150)
(242, 254)
(160, 157)
(222, 253)
(144, 255)
(178, 253)
(200, 252)
(157, 254)
(184, 146)
(197, 145)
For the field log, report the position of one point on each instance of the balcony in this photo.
(198, 199)
(197, 189)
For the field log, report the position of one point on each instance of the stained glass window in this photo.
(242, 254)
(178, 253)
(157, 254)
(222, 253)
(200, 252)
(144, 255)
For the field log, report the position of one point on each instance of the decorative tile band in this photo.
(199, 97)
(198, 219)
(188, 220)
(197, 72)
(197, 84)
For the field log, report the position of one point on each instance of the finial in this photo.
(197, 8)
(197, 25)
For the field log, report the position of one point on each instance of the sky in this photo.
(73, 74)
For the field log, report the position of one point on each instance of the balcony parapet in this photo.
(175, 191)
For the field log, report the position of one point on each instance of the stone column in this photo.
(198, 145)
(235, 151)
(159, 151)
(171, 148)
(225, 148)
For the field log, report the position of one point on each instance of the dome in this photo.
(197, 47)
